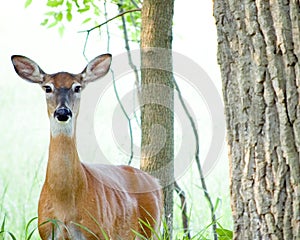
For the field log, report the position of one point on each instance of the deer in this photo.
(80, 200)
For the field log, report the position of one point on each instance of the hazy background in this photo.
(24, 123)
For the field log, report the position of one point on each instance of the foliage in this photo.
(224, 234)
(63, 11)
(30, 229)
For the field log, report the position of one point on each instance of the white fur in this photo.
(72, 232)
(64, 128)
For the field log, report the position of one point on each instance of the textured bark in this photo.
(157, 97)
(258, 52)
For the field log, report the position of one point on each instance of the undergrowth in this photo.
(30, 232)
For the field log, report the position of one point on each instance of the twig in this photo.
(134, 3)
(131, 64)
(184, 216)
(203, 183)
(127, 47)
(85, 44)
(100, 25)
(126, 116)
(107, 28)
(111, 19)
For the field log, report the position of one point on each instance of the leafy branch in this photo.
(88, 31)
(111, 19)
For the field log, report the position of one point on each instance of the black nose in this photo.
(63, 114)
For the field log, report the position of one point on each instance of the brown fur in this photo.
(87, 201)
(113, 198)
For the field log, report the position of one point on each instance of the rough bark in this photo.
(157, 96)
(258, 52)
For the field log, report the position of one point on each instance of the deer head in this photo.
(62, 89)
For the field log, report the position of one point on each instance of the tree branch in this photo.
(107, 28)
(127, 47)
(111, 19)
(131, 64)
(126, 116)
(202, 179)
(100, 25)
(85, 44)
(184, 216)
(134, 3)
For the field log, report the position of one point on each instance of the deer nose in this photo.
(62, 114)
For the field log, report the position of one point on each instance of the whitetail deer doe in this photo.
(81, 201)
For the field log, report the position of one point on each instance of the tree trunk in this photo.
(157, 97)
(258, 52)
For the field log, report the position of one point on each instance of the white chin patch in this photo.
(63, 122)
(61, 127)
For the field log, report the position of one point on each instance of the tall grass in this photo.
(17, 213)
(30, 232)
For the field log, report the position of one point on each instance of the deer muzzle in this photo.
(62, 114)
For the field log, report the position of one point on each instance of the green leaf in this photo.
(115, 2)
(51, 13)
(86, 20)
(76, 2)
(27, 3)
(69, 16)
(120, 27)
(61, 30)
(224, 234)
(69, 6)
(97, 11)
(128, 18)
(59, 16)
(54, 3)
(126, 6)
(53, 24)
(135, 36)
(44, 23)
(85, 9)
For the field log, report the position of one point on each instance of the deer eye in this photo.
(77, 89)
(47, 88)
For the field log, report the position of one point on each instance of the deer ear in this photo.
(27, 69)
(96, 68)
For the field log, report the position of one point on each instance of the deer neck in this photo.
(65, 176)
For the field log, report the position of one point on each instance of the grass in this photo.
(23, 156)
(24, 225)
(30, 231)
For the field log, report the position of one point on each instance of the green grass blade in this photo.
(12, 236)
(224, 234)
(28, 236)
(137, 234)
(87, 230)
(3, 224)
(98, 224)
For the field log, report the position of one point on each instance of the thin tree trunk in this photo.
(259, 48)
(157, 98)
